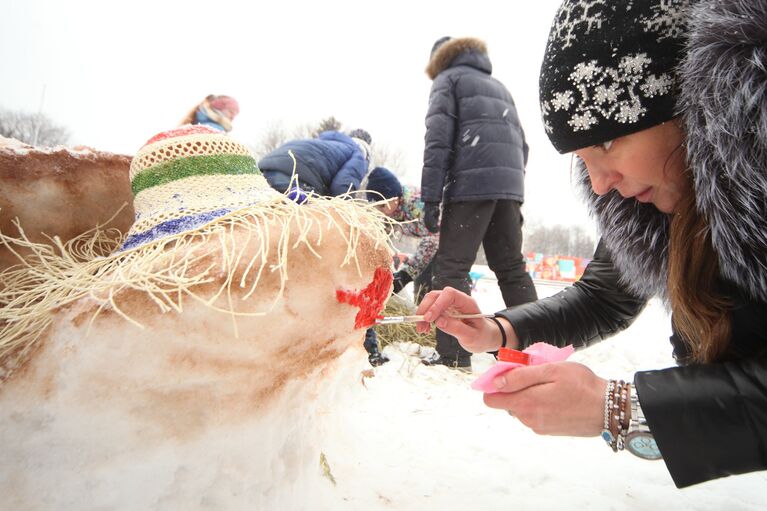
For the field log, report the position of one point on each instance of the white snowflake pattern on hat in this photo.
(572, 17)
(666, 21)
(609, 92)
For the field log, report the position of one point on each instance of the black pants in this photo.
(371, 341)
(497, 225)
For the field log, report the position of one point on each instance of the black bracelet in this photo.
(503, 332)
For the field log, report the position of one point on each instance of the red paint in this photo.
(370, 300)
(510, 355)
(188, 129)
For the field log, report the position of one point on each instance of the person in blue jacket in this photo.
(332, 164)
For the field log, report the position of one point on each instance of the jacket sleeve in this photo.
(427, 247)
(350, 175)
(525, 148)
(592, 309)
(441, 122)
(709, 420)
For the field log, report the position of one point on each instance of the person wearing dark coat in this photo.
(331, 164)
(665, 108)
(474, 169)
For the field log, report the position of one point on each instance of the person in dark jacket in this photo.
(665, 107)
(332, 164)
(474, 167)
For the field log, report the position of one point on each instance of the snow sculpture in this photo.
(87, 188)
(187, 369)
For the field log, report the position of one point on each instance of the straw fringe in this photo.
(169, 269)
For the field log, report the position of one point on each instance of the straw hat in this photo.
(187, 177)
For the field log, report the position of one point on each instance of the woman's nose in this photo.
(602, 181)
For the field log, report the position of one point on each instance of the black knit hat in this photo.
(439, 42)
(609, 69)
(383, 181)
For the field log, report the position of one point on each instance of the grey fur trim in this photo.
(723, 102)
(723, 108)
(636, 235)
(451, 49)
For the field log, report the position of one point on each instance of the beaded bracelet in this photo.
(616, 397)
(503, 332)
(623, 423)
(618, 411)
(607, 435)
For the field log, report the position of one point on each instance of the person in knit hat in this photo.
(217, 112)
(403, 204)
(473, 177)
(664, 107)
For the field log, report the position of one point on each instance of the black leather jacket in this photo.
(709, 420)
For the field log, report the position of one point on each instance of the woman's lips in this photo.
(644, 196)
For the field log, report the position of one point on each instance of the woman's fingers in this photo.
(437, 304)
(524, 377)
(563, 398)
(451, 300)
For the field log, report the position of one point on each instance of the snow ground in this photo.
(419, 438)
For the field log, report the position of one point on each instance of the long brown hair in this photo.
(190, 117)
(701, 314)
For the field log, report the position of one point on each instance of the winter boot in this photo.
(377, 358)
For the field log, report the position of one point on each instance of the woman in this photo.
(216, 112)
(665, 108)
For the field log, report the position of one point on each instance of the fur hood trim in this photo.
(450, 50)
(723, 110)
(723, 102)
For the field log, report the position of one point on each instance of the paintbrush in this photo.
(390, 320)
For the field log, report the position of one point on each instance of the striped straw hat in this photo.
(187, 177)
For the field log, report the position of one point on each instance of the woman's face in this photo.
(648, 166)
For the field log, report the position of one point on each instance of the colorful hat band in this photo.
(186, 178)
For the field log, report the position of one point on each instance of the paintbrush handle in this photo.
(414, 319)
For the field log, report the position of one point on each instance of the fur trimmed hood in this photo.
(723, 109)
(447, 52)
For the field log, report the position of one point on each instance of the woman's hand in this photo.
(564, 398)
(475, 335)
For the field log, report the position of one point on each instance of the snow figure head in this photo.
(200, 362)
(610, 69)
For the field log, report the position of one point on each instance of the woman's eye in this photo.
(605, 146)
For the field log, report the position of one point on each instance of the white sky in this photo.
(116, 73)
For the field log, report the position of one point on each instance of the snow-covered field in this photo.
(403, 437)
(418, 438)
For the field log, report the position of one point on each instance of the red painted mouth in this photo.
(370, 300)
